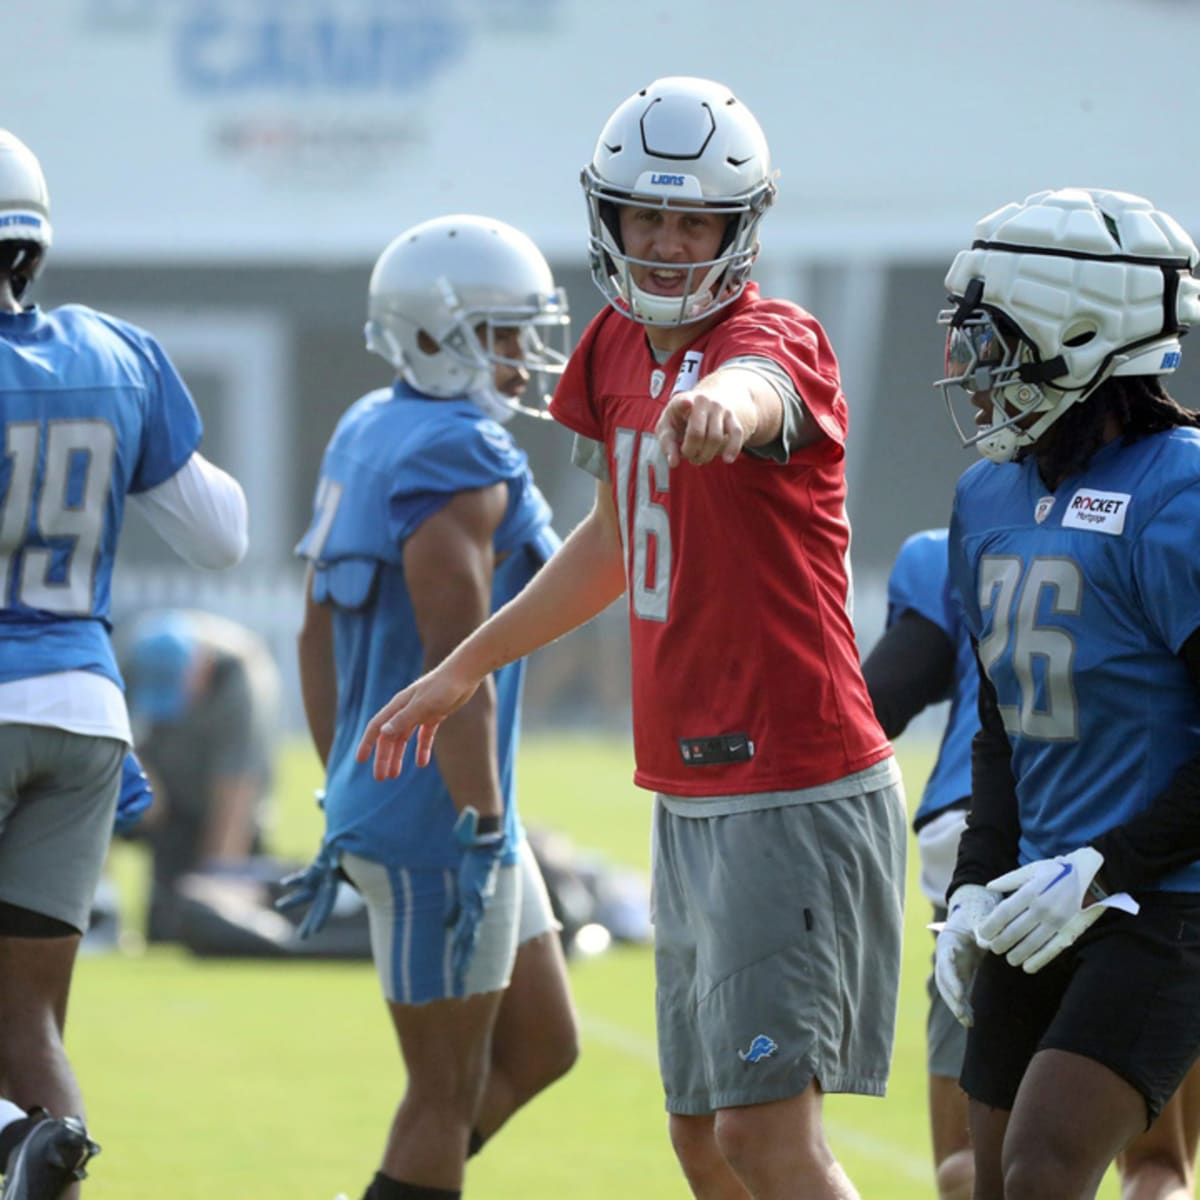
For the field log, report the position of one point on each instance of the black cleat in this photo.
(48, 1160)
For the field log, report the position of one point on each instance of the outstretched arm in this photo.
(728, 410)
(582, 579)
(448, 568)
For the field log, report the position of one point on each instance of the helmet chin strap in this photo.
(1000, 442)
(492, 404)
(686, 308)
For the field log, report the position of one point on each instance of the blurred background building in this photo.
(226, 171)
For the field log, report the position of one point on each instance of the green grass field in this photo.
(275, 1081)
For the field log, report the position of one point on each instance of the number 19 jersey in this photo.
(1081, 600)
(91, 409)
(737, 575)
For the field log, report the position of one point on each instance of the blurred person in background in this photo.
(425, 519)
(92, 414)
(1072, 944)
(714, 422)
(203, 694)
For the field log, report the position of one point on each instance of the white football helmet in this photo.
(1055, 296)
(680, 142)
(24, 211)
(458, 279)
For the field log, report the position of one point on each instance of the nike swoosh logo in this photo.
(1063, 872)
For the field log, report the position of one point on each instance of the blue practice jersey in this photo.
(395, 459)
(90, 410)
(1081, 601)
(920, 583)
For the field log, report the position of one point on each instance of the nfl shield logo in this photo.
(1042, 511)
(657, 378)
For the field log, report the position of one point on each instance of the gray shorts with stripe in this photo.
(410, 940)
(777, 948)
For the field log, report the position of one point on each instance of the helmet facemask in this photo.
(465, 356)
(988, 357)
(710, 285)
(543, 332)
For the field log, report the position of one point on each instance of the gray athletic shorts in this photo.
(945, 1038)
(410, 940)
(58, 795)
(777, 949)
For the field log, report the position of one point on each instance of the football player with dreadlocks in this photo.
(1072, 945)
(714, 422)
(925, 656)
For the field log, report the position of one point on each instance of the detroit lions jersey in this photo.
(737, 573)
(395, 459)
(1081, 600)
(920, 583)
(90, 410)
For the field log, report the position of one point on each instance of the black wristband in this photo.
(487, 826)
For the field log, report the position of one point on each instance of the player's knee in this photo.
(558, 1061)
(540, 1065)
(956, 1175)
(565, 1053)
(744, 1139)
(693, 1143)
(1036, 1172)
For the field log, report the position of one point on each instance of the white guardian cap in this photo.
(1055, 296)
(679, 143)
(457, 280)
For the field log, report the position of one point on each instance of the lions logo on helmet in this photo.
(1055, 296)
(680, 142)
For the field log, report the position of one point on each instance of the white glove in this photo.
(1045, 913)
(956, 955)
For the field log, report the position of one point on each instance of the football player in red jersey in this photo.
(715, 423)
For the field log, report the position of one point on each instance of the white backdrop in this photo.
(284, 130)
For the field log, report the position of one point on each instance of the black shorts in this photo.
(1126, 995)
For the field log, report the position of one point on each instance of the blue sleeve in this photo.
(962, 586)
(464, 454)
(1166, 568)
(172, 428)
(918, 581)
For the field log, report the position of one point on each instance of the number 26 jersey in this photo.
(1081, 600)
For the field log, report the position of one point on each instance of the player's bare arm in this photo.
(581, 580)
(725, 412)
(448, 566)
(318, 673)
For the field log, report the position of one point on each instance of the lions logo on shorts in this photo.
(762, 1047)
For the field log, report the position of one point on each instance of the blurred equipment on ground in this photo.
(227, 910)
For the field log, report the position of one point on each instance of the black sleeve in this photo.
(1166, 836)
(988, 846)
(910, 668)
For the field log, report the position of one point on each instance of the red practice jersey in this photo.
(736, 573)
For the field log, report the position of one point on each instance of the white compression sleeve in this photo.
(200, 512)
